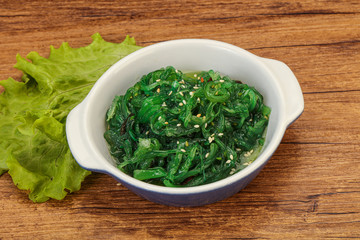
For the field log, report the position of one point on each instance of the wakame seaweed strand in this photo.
(182, 130)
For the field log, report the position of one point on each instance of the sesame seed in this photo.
(147, 132)
(195, 75)
(177, 142)
(199, 115)
(205, 125)
(228, 161)
(196, 126)
(159, 118)
(158, 90)
(182, 81)
(196, 87)
(179, 124)
(191, 93)
(247, 154)
(213, 134)
(187, 143)
(198, 78)
(232, 171)
(180, 104)
(231, 157)
(247, 163)
(170, 93)
(181, 93)
(198, 99)
(176, 71)
(158, 80)
(183, 150)
(164, 104)
(207, 155)
(166, 123)
(238, 149)
(221, 81)
(184, 101)
(183, 86)
(220, 134)
(211, 139)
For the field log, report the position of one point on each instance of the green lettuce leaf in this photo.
(33, 146)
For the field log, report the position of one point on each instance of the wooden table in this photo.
(310, 188)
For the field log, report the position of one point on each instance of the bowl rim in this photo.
(264, 156)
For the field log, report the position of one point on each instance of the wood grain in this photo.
(310, 188)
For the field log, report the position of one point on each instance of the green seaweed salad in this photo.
(181, 130)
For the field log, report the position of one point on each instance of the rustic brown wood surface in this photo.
(310, 188)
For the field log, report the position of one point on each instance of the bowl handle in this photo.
(294, 100)
(76, 137)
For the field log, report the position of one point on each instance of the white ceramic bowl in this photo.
(273, 79)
